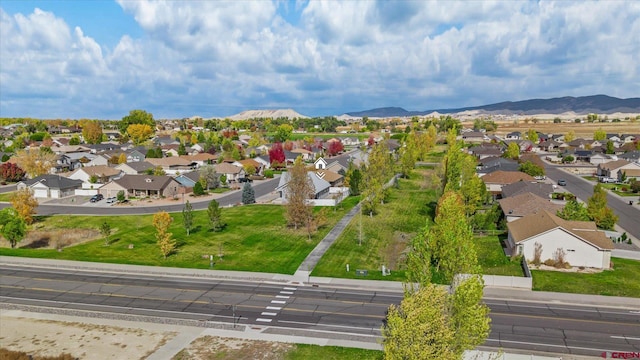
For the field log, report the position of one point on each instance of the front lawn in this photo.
(385, 236)
(6, 197)
(255, 239)
(303, 352)
(623, 280)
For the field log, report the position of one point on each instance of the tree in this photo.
(161, 222)
(11, 172)
(532, 169)
(610, 149)
(182, 150)
(276, 154)
(299, 189)
(570, 136)
(105, 230)
(75, 140)
(197, 189)
(513, 151)
(25, 204)
(122, 159)
(451, 238)
(13, 227)
(136, 117)
(335, 148)
(375, 175)
(599, 135)
(139, 133)
(92, 132)
(121, 196)
(452, 163)
(283, 133)
(187, 217)
(573, 210)
(208, 173)
(248, 195)
(598, 210)
(354, 179)
(408, 155)
(568, 159)
(532, 136)
(214, 213)
(249, 169)
(35, 162)
(432, 323)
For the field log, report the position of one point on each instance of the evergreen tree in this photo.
(248, 195)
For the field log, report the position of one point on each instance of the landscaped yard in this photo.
(492, 259)
(6, 197)
(255, 239)
(623, 280)
(385, 236)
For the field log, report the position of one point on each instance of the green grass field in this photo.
(623, 280)
(6, 197)
(385, 235)
(492, 259)
(255, 239)
(304, 352)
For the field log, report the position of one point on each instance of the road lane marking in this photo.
(278, 302)
(290, 288)
(274, 308)
(264, 320)
(282, 297)
(286, 292)
(625, 337)
(264, 313)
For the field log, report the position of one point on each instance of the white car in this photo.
(112, 200)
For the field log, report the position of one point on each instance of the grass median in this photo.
(254, 239)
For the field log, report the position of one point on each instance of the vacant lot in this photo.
(386, 235)
(254, 239)
(581, 130)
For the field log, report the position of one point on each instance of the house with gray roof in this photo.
(135, 168)
(143, 186)
(50, 186)
(321, 186)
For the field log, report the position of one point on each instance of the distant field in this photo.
(581, 130)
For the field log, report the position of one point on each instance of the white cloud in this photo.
(219, 57)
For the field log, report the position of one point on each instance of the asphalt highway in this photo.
(313, 311)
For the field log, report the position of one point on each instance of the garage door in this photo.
(41, 193)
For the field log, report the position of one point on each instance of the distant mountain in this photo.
(279, 113)
(600, 104)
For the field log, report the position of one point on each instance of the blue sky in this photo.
(100, 59)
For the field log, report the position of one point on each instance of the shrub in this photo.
(268, 173)
(559, 256)
(550, 262)
(537, 253)
(197, 189)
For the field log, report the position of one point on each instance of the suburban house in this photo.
(612, 168)
(549, 145)
(102, 174)
(485, 151)
(474, 137)
(601, 158)
(306, 154)
(50, 186)
(632, 156)
(264, 161)
(321, 186)
(540, 189)
(142, 186)
(582, 243)
(516, 135)
(518, 206)
(201, 159)
(333, 178)
(98, 160)
(497, 179)
(232, 172)
(628, 174)
(135, 168)
(250, 162)
(172, 164)
(188, 180)
(494, 163)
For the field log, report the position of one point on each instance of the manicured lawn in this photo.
(385, 236)
(623, 280)
(304, 352)
(492, 259)
(6, 197)
(255, 239)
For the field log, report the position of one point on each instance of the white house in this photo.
(102, 174)
(582, 243)
(50, 186)
(611, 169)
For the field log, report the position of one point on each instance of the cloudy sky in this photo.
(100, 58)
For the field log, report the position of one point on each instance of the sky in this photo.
(100, 59)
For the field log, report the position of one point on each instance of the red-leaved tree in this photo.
(371, 140)
(335, 148)
(276, 154)
(11, 172)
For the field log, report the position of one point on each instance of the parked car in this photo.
(96, 198)
(540, 177)
(562, 182)
(608, 180)
(245, 179)
(112, 200)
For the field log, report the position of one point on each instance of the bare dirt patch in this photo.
(54, 238)
(209, 347)
(585, 130)
(42, 337)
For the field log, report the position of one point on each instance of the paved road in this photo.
(322, 312)
(260, 188)
(629, 216)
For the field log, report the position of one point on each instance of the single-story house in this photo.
(142, 186)
(250, 162)
(102, 173)
(172, 164)
(612, 168)
(540, 189)
(201, 159)
(497, 179)
(232, 172)
(321, 186)
(582, 243)
(135, 168)
(50, 186)
(188, 180)
(516, 207)
(474, 137)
